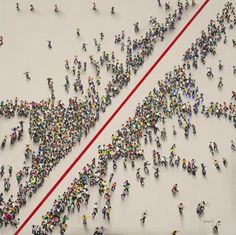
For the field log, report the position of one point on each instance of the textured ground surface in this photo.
(25, 49)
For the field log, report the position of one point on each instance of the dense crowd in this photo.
(57, 127)
(163, 102)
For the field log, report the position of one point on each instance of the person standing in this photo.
(181, 208)
(234, 42)
(234, 69)
(84, 47)
(31, 7)
(1, 40)
(216, 227)
(144, 216)
(94, 6)
(113, 10)
(78, 32)
(101, 36)
(49, 44)
(27, 75)
(174, 232)
(56, 8)
(17, 6)
(220, 83)
(84, 219)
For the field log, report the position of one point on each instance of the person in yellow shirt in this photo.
(84, 219)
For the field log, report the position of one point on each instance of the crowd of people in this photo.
(57, 127)
(137, 50)
(162, 103)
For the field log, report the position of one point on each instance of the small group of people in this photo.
(167, 3)
(56, 9)
(94, 7)
(17, 134)
(6, 180)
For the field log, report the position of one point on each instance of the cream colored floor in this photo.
(25, 49)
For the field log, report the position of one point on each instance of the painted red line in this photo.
(110, 119)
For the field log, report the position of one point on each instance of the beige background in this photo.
(25, 49)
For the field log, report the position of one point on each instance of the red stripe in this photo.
(110, 119)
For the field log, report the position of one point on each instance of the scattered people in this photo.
(57, 127)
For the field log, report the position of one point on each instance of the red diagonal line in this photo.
(110, 119)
